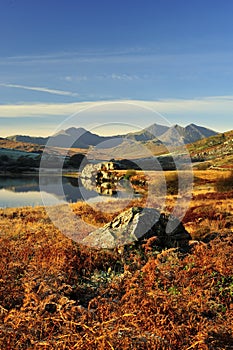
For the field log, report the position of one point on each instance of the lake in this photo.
(25, 191)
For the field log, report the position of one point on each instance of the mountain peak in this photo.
(73, 129)
(156, 129)
(81, 138)
(177, 135)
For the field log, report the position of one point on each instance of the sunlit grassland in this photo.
(58, 294)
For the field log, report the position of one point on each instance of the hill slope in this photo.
(20, 146)
(214, 151)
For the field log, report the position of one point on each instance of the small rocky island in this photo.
(106, 177)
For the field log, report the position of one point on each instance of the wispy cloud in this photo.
(100, 55)
(220, 60)
(219, 98)
(118, 77)
(41, 89)
(84, 53)
(41, 109)
(215, 105)
(77, 78)
(125, 77)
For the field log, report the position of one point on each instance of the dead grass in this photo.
(56, 294)
(20, 146)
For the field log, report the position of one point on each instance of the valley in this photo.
(61, 291)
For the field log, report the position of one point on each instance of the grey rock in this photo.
(100, 177)
(136, 225)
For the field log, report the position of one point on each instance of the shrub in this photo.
(77, 160)
(203, 166)
(172, 184)
(129, 173)
(224, 183)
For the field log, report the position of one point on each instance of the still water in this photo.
(25, 191)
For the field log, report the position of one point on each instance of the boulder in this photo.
(139, 224)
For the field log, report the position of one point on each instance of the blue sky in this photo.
(59, 57)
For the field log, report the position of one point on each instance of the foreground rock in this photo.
(136, 225)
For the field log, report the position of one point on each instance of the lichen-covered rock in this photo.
(136, 225)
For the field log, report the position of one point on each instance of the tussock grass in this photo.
(57, 294)
(225, 183)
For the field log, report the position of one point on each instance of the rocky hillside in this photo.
(177, 135)
(214, 151)
(174, 135)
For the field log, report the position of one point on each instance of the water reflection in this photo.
(25, 191)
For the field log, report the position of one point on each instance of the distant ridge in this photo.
(158, 134)
(72, 137)
(28, 139)
(177, 135)
(150, 133)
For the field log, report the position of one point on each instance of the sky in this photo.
(115, 65)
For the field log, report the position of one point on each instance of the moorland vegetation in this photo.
(58, 294)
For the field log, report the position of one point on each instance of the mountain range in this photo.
(158, 134)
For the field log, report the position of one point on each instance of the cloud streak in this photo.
(206, 105)
(137, 55)
(124, 77)
(83, 56)
(41, 89)
(118, 77)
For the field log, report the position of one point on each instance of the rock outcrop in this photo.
(101, 178)
(136, 225)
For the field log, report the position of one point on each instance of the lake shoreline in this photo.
(37, 173)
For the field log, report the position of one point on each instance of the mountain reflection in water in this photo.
(25, 191)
